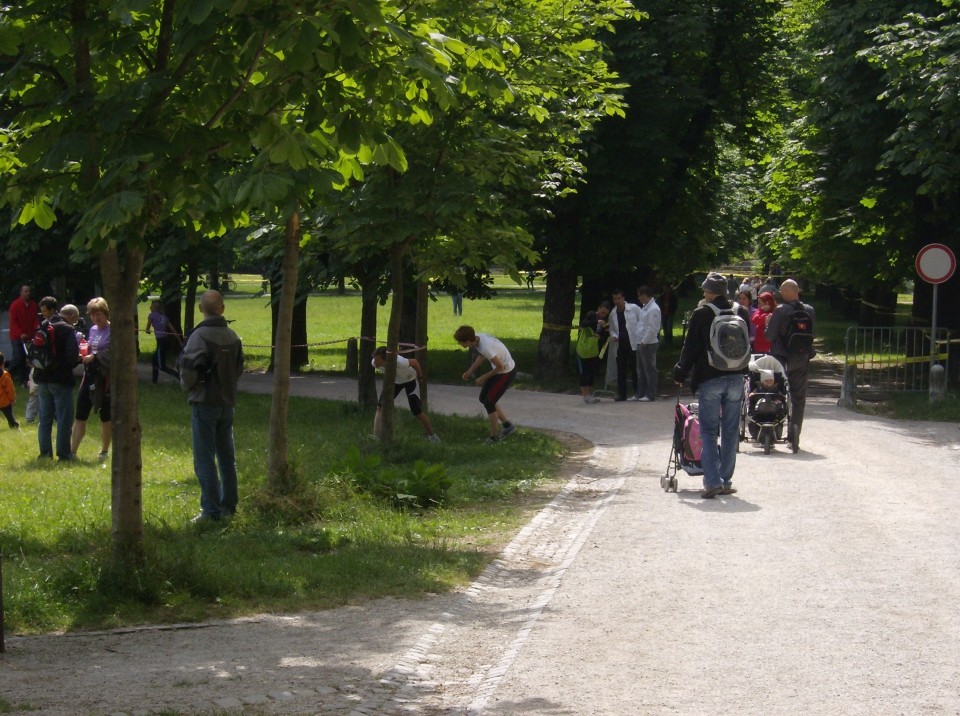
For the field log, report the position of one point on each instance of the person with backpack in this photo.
(790, 332)
(715, 354)
(53, 353)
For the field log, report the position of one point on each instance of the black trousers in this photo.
(626, 363)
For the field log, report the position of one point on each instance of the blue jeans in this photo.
(56, 402)
(720, 400)
(647, 370)
(212, 446)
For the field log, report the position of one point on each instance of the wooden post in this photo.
(353, 358)
(2, 646)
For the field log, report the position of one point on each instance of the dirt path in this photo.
(829, 584)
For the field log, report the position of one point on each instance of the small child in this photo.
(8, 395)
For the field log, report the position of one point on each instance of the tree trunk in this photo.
(121, 279)
(299, 356)
(298, 333)
(367, 383)
(421, 338)
(190, 300)
(408, 318)
(393, 339)
(553, 350)
(278, 466)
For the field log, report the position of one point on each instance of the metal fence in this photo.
(881, 361)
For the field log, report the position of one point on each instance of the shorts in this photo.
(413, 396)
(85, 404)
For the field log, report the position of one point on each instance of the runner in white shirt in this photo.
(494, 382)
(409, 375)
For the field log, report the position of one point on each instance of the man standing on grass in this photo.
(24, 321)
(495, 381)
(55, 383)
(210, 367)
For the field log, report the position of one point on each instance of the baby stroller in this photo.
(687, 445)
(765, 415)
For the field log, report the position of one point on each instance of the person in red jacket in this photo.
(766, 303)
(24, 321)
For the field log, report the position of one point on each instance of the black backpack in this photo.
(798, 337)
(42, 349)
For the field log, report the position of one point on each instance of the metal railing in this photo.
(881, 361)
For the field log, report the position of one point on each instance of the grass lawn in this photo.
(348, 536)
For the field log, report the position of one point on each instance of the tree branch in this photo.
(241, 88)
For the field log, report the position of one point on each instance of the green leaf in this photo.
(349, 134)
(9, 40)
(199, 10)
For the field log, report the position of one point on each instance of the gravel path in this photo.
(829, 584)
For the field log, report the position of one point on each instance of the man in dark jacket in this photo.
(720, 391)
(210, 367)
(797, 365)
(55, 384)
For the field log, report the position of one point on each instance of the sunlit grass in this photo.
(331, 544)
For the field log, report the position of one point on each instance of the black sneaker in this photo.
(728, 490)
(710, 492)
(507, 430)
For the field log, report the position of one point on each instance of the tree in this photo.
(131, 116)
(480, 172)
(866, 171)
(654, 202)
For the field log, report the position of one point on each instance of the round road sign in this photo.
(936, 263)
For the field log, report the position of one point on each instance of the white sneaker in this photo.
(590, 400)
(644, 399)
(634, 398)
(434, 438)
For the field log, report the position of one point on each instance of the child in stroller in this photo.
(766, 402)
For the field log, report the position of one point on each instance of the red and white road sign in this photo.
(936, 263)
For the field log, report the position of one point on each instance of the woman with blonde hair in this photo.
(94, 395)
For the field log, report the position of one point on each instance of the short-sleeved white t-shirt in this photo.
(405, 373)
(490, 347)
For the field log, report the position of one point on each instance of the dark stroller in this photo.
(765, 416)
(686, 447)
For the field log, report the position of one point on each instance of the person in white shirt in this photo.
(647, 343)
(494, 383)
(409, 375)
(624, 322)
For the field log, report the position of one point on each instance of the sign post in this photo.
(935, 265)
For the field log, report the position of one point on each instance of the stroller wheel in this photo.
(664, 482)
(767, 441)
(673, 484)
